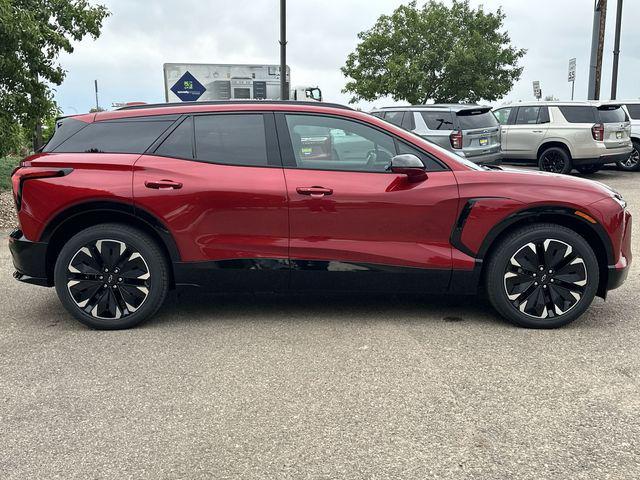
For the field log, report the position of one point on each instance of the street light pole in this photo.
(616, 52)
(597, 44)
(284, 90)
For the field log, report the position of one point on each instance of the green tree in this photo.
(436, 52)
(32, 35)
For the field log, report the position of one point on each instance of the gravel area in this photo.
(7, 211)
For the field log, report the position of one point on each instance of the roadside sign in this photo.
(572, 70)
(537, 91)
(188, 88)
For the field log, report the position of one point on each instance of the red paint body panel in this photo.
(221, 212)
(376, 218)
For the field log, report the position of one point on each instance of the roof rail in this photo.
(234, 102)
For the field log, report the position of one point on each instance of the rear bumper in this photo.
(603, 159)
(486, 159)
(29, 259)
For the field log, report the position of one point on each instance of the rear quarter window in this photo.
(577, 114)
(438, 120)
(472, 119)
(394, 118)
(612, 115)
(116, 136)
(634, 111)
(65, 128)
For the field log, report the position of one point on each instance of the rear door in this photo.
(356, 226)
(617, 128)
(217, 184)
(480, 131)
(525, 136)
(506, 117)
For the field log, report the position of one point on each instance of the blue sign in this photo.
(188, 89)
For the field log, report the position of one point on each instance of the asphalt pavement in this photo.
(341, 387)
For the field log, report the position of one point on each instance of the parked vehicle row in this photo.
(274, 196)
(556, 136)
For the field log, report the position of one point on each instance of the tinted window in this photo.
(329, 143)
(634, 111)
(408, 122)
(543, 115)
(231, 139)
(527, 115)
(121, 136)
(65, 128)
(180, 142)
(612, 115)
(578, 114)
(438, 120)
(503, 115)
(394, 117)
(430, 164)
(470, 119)
(378, 114)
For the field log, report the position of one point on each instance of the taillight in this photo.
(598, 132)
(456, 139)
(22, 174)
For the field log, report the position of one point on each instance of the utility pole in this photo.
(95, 82)
(597, 45)
(284, 90)
(616, 52)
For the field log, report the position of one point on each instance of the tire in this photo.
(555, 160)
(633, 163)
(550, 300)
(111, 276)
(588, 169)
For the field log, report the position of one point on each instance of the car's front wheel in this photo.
(111, 276)
(631, 164)
(542, 276)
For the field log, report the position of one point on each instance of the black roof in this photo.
(235, 102)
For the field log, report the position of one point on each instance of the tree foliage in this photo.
(32, 35)
(436, 52)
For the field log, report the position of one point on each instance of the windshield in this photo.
(471, 119)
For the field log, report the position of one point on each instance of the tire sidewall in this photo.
(498, 264)
(567, 159)
(636, 167)
(139, 241)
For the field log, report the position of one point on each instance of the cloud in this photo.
(140, 36)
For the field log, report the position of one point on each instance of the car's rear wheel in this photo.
(111, 276)
(588, 169)
(542, 276)
(631, 164)
(555, 160)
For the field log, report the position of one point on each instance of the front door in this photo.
(355, 226)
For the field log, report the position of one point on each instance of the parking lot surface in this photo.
(349, 387)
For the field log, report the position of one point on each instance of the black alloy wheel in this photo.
(111, 276)
(555, 160)
(631, 164)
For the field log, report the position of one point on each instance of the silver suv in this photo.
(633, 162)
(560, 136)
(471, 131)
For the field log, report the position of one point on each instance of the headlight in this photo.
(619, 200)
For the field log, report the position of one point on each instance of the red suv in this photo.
(122, 206)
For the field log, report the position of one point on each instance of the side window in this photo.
(430, 164)
(179, 143)
(527, 116)
(115, 136)
(231, 139)
(329, 143)
(634, 111)
(503, 115)
(394, 117)
(543, 115)
(408, 122)
(378, 114)
(575, 114)
(438, 120)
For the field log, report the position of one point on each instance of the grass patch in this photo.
(7, 164)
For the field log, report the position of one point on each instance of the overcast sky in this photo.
(140, 36)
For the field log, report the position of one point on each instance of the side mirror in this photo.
(409, 165)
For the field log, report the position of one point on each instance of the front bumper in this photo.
(29, 259)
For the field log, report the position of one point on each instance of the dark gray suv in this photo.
(471, 131)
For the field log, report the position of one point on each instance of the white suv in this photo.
(633, 162)
(560, 136)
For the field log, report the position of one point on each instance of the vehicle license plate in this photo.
(618, 134)
(484, 142)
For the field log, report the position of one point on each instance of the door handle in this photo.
(537, 131)
(315, 192)
(163, 184)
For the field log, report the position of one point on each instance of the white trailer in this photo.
(199, 82)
